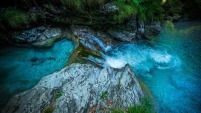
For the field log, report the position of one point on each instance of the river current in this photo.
(169, 64)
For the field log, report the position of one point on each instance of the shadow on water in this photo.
(22, 68)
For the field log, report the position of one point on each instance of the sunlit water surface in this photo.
(170, 65)
(22, 68)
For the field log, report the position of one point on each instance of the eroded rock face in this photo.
(94, 40)
(81, 88)
(135, 29)
(146, 30)
(40, 36)
(124, 36)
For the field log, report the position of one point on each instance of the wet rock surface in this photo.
(39, 36)
(125, 36)
(94, 40)
(135, 29)
(146, 30)
(80, 88)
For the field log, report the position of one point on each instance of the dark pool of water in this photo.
(22, 68)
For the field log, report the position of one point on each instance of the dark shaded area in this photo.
(192, 8)
(183, 9)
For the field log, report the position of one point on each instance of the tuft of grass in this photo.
(17, 19)
(103, 95)
(59, 94)
(145, 107)
(118, 111)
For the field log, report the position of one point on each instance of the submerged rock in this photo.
(39, 36)
(80, 88)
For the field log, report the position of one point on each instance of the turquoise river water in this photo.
(22, 68)
(170, 65)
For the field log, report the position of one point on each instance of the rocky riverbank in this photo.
(46, 36)
(88, 83)
(90, 87)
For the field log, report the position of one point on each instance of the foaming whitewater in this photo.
(141, 57)
(170, 67)
(102, 44)
(161, 58)
(115, 63)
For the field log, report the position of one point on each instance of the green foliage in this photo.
(145, 9)
(84, 12)
(59, 94)
(17, 19)
(103, 95)
(145, 107)
(126, 11)
(150, 9)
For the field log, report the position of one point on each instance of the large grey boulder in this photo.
(39, 36)
(80, 88)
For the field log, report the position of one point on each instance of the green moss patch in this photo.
(145, 107)
(82, 52)
(103, 95)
